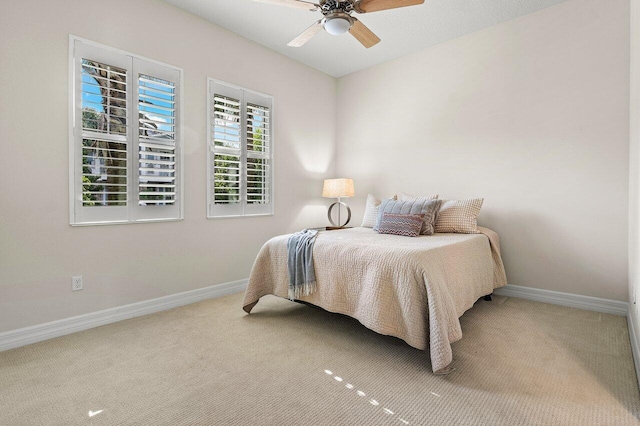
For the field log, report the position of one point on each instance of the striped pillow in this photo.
(428, 208)
(408, 225)
(429, 217)
(371, 211)
(459, 216)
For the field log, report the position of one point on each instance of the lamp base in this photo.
(339, 225)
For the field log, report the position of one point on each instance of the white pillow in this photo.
(371, 211)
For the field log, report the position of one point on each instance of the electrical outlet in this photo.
(76, 283)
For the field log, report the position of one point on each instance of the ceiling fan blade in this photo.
(306, 35)
(364, 6)
(363, 34)
(298, 4)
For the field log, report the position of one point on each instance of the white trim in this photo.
(235, 216)
(635, 350)
(597, 304)
(122, 222)
(71, 91)
(37, 333)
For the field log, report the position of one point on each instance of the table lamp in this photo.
(338, 188)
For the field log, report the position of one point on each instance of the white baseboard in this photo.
(635, 350)
(597, 304)
(37, 333)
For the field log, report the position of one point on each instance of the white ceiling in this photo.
(402, 31)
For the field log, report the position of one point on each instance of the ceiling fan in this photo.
(337, 17)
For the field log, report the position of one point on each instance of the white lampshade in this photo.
(338, 188)
(337, 26)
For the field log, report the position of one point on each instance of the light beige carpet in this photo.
(519, 363)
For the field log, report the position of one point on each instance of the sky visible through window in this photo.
(157, 102)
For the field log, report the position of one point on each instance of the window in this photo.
(125, 128)
(240, 153)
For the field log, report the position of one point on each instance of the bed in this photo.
(415, 289)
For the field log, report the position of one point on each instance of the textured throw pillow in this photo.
(371, 211)
(428, 208)
(459, 216)
(408, 225)
(432, 219)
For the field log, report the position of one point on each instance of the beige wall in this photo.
(532, 115)
(121, 264)
(634, 174)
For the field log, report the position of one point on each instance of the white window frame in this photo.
(242, 208)
(80, 215)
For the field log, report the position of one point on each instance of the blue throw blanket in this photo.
(302, 276)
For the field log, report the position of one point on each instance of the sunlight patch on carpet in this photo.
(94, 413)
(372, 401)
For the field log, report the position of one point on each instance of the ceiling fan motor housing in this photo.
(329, 7)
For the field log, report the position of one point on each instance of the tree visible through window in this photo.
(258, 132)
(227, 150)
(104, 155)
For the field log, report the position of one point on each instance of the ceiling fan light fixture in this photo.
(337, 26)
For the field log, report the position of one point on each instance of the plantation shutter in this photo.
(104, 135)
(225, 177)
(101, 136)
(239, 179)
(157, 141)
(125, 150)
(158, 157)
(258, 154)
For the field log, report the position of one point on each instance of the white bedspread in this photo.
(412, 288)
